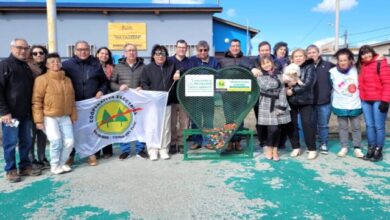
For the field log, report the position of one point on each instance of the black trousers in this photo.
(106, 150)
(38, 137)
(269, 135)
(309, 130)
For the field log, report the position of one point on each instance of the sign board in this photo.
(199, 85)
(121, 33)
(233, 85)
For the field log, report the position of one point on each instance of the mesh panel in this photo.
(220, 114)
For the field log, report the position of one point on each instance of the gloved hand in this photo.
(383, 107)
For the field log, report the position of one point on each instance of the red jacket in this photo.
(374, 86)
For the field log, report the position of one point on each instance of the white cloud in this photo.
(231, 12)
(178, 1)
(330, 5)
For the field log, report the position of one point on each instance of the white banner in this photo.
(119, 117)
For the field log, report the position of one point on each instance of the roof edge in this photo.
(253, 31)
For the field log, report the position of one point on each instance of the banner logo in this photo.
(114, 116)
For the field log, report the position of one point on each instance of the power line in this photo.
(384, 35)
(373, 30)
(313, 29)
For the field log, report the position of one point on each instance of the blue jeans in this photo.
(375, 123)
(322, 116)
(125, 147)
(11, 137)
(59, 132)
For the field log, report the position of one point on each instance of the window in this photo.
(191, 50)
(71, 49)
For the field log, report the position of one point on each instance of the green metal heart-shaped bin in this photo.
(218, 101)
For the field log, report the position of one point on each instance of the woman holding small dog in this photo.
(300, 98)
(273, 106)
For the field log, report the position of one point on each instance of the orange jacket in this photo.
(53, 95)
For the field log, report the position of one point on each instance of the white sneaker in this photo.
(312, 155)
(358, 153)
(153, 154)
(295, 153)
(66, 168)
(164, 154)
(343, 152)
(56, 170)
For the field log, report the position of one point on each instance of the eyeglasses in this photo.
(203, 50)
(36, 53)
(82, 49)
(21, 48)
(162, 53)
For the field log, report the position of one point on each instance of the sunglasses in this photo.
(36, 53)
(203, 50)
(160, 54)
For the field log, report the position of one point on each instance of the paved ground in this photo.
(326, 188)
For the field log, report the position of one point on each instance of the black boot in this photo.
(172, 149)
(370, 153)
(377, 155)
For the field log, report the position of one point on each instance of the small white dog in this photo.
(291, 74)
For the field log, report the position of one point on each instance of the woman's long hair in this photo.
(363, 50)
(110, 60)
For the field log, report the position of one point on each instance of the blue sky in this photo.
(300, 22)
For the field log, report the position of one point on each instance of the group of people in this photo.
(38, 95)
(347, 88)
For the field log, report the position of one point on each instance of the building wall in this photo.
(384, 50)
(163, 29)
(223, 33)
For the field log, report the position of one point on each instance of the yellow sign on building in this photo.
(121, 33)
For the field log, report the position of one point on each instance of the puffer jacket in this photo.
(53, 96)
(124, 74)
(240, 59)
(16, 84)
(87, 77)
(304, 95)
(159, 78)
(374, 86)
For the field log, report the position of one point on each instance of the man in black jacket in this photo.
(322, 94)
(159, 75)
(16, 84)
(233, 103)
(88, 80)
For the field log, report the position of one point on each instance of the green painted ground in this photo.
(326, 188)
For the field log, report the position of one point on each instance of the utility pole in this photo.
(346, 39)
(51, 9)
(336, 42)
(248, 39)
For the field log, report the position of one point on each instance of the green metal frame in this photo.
(205, 154)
